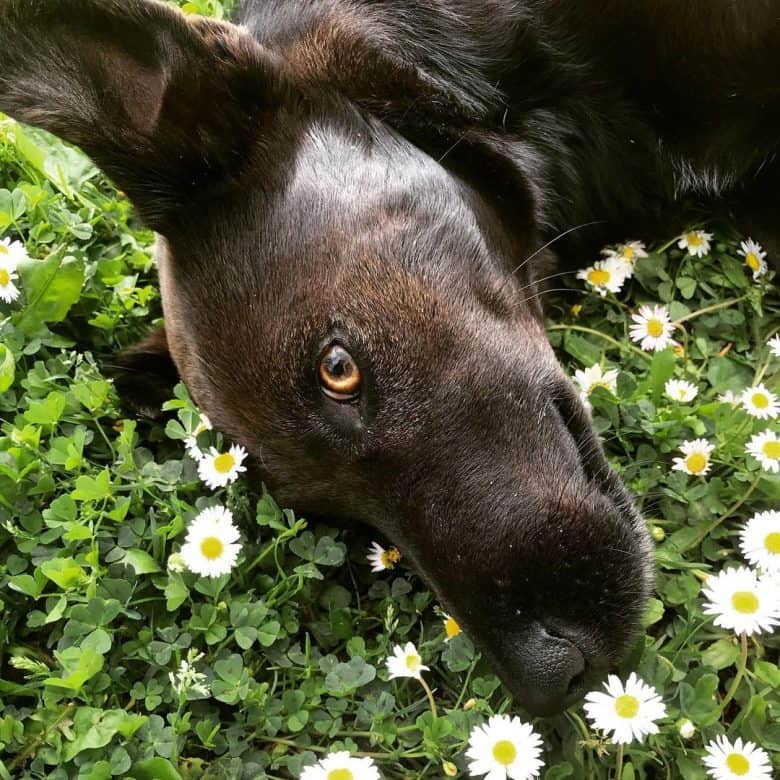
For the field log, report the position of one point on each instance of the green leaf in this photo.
(51, 286)
(7, 368)
(64, 572)
(79, 665)
(93, 489)
(95, 728)
(154, 769)
(140, 561)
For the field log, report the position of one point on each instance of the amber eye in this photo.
(339, 374)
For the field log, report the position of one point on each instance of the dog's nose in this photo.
(551, 671)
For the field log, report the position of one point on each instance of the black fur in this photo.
(383, 175)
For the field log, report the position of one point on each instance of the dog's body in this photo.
(347, 194)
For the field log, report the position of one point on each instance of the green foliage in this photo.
(95, 624)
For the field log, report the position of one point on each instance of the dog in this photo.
(357, 202)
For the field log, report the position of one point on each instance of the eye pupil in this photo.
(339, 374)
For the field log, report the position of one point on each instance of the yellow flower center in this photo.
(628, 253)
(5, 277)
(389, 558)
(679, 350)
(737, 763)
(655, 328)
(694, 239)
(760, 401)
(753, 263)
(340, 774)
(744, 602)
(212, 548)
(772, 449)
(4, 250)
(576, 309)
(598, 383)
(504, 752)
(412, 662)
(598, 277)
(772, 542)
(451, 627)
(696, 462)
(224, 463)
(627, 706)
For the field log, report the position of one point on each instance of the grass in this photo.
(93, 502)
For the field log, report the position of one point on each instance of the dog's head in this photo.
(352, 311)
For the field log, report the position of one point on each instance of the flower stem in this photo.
(739, 675)
(619, 762)
(708, 309)
(429, 694)
(718, 520)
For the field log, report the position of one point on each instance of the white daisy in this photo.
(341, 766)
(451, 627)
(774, 345)
(697, 242)
(742, 602)
(217, 469)
(686, 729)
(405, 662)
(191, 442)
(13, 252)
(590, 378)
(736, 761)
(8, 290)
(759, 402)
(628, 712)
(381, 559)
(503, 748)
(765, 448)
(697, 457)
(730, 397)
(604, 276)
(653, 328)
(680, 390)
(759, 541)
(210, 548)
(754, 257)
(626, 254)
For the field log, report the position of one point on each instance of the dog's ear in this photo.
(166, 104)
(144, 375)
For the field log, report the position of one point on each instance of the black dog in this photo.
(346, 194)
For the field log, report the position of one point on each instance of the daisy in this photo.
(686, 729)
(730, 397)
(680, 390)
(774, 345)
(759, 541)
(759, 402)
(697, 242)
(13, 252)
(217, 469)
(381, 559)
(626, 254)
(742, 602)
(738, 761)
(697, 457)
(451, 627)
(765, 448)
(604, 276)
(191, 442)
(9, 292)
(341, 766)
(505, 748)
(653, 328)
(405, 662)
(593, 377)
(628, 712)
(754, 257)
(211, 546)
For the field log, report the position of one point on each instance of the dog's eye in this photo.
(339, 374)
